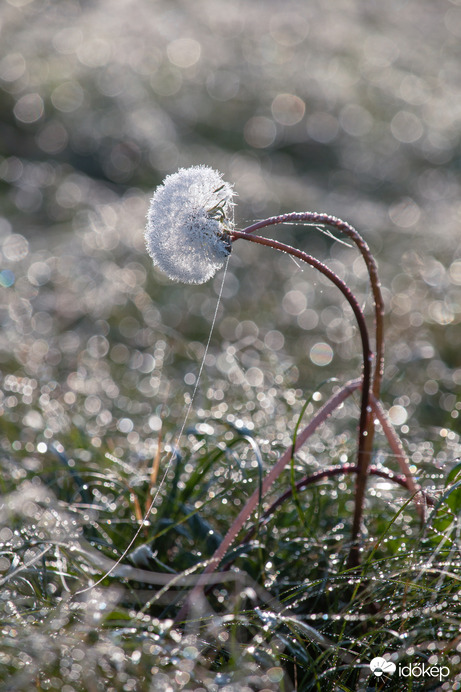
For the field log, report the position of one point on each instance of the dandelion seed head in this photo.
(188, 224)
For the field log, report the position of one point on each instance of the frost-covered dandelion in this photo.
(189, 234)
(188, 224)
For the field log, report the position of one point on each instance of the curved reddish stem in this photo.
(366, 427)
(367, 444)
(323, 219)
(347, 293)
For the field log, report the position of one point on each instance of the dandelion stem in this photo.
(367, 445)
(366, 421)
(329, 220)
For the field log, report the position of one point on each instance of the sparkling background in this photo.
(351, 108)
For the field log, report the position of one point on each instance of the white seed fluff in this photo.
(187, 223)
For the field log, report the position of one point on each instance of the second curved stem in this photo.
(366, 422)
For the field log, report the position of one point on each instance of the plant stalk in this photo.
(367, 447)
(366, 427)
(321, 219)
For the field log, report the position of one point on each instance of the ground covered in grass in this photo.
(350, 110)
(287, 614)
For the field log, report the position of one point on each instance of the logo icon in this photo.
(381, 666)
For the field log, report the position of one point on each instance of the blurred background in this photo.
(351, 108)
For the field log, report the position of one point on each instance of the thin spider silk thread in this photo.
(172, 454)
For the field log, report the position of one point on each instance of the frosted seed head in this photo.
(188, 224)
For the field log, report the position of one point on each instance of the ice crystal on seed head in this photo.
(188, 222)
